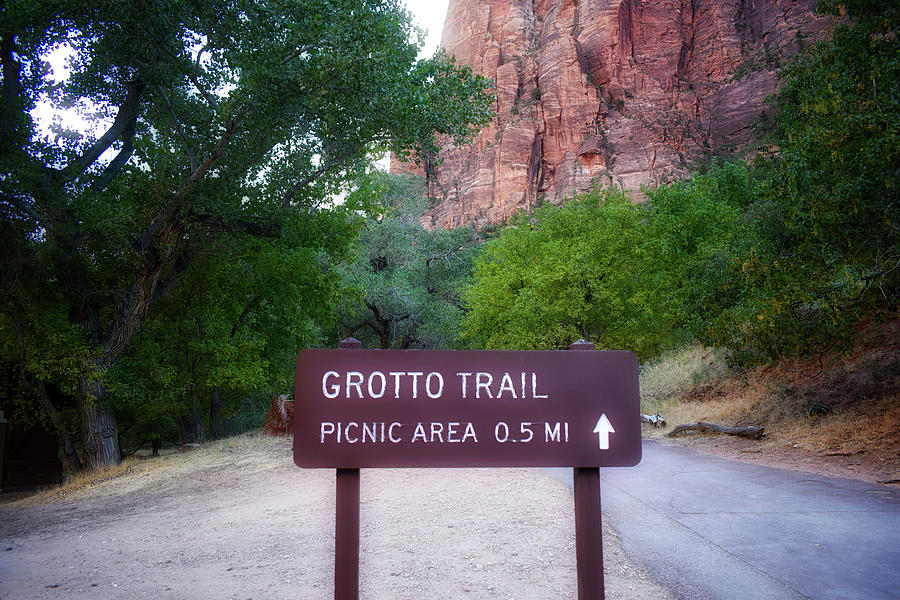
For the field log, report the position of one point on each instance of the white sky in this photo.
(429, 15)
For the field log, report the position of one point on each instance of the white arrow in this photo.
(603, 429)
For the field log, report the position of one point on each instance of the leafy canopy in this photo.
(826, 234)
(567, 272)
(218, 122)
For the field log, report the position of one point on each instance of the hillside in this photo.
(835, 414)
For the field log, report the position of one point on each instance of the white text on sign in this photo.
(477, 384)
(453, 432)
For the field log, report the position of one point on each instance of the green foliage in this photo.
(567, 272)
(819, 243)
(826, 234)
(696, 233)
(839, 131)
(227, 127)
(403, 288)
(228, 333)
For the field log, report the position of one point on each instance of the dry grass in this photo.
(678, 372)
(251, 451)
(838, 403)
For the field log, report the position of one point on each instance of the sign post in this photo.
(358, 408)
(588, 520)
(346, 522)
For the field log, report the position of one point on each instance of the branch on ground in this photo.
(751, 431)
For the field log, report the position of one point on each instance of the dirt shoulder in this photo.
(874, 466)
(240, 521)
(837, 414)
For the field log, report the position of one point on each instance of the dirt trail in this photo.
(241, 521)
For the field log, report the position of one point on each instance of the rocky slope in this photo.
(621, 92)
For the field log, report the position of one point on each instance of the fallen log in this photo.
(750, 431)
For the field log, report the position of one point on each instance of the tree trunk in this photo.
(190, 424)
(196, 421)
(184, 429)
(410, 335)
(215, 409)
(99, 429)
(70, 454)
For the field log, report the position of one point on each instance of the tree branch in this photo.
(300, 184)
(195, 79)
(333, 158)
(125, 119)
(159, 242)
(409, 336)
(375, 312)
(295, 54)
(254, 302)
(193, 71)
(213, 103)
(378, 327)
(115, 166)
(200, 53)
(11, 89)
(884, 271)
(181, 265)
(272, 230)
(384, 321)
(167, 213)
(179, 129)
(444, 256)
(353, 330)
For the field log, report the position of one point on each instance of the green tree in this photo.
(826, 233)
(839, 132)
(403, 289)
(237, 117)
(698, 234)
(567, 272)
(229, 332)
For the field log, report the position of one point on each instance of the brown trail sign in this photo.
(359, 408)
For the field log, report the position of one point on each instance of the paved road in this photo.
(708, 528)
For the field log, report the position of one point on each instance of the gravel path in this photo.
(240, 521)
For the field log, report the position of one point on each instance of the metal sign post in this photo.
(358, 408)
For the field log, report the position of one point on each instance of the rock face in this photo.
(616, 92)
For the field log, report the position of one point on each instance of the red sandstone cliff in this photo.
(622, 92)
